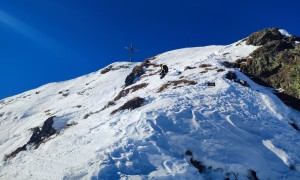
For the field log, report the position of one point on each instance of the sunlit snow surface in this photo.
(230, 128)
(284, 32)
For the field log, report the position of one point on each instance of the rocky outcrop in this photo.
(130, 105)
(138, 71)
(125, 92)
(233, 77)
(276, 63)
(39, 135)
(268, 35)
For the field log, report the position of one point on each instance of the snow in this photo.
(284, 32)
(229, 128)
(279, 152)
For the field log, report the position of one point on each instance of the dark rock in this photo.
(227, 64)
(121, 94)
(39, 135)
(289, 100)
(252, 175)
(131, 104)
(106, 70)
(237, 64)
(294, 125)
(137, 71)
(111, 103)
(146, 63)
(205, 65)
(260, 81)
(211, 84)
(130, 79)
(14, 153)
(293, 167)
(231, 75)
(198, 165)
(188, 67)
(87, 115)
(188, 153)
(220, 70)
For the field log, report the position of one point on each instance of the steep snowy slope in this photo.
(185, 129)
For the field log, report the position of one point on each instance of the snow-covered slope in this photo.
(184, 131)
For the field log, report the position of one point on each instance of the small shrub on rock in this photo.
(106, 70)
(111, 68)
(188, 67)
(109, 104)
(176, 83)
(121, 94)
(125, 92)
(205, 65)
(87, 115)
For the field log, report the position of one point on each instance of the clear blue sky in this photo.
(43, 41)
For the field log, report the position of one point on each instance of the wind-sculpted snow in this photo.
(185, 131)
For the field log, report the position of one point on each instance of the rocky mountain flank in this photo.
(276, 63)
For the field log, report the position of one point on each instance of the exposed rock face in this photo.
(264, 36)
(136, 72)
(268, 35)
(39, 135)
(276, 62)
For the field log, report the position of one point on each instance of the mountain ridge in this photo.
(227, 130)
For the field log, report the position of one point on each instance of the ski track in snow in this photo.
(229, 128)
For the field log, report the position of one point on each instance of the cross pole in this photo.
(131, 49)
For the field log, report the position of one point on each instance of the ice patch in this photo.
(59, 123)
(284, 32)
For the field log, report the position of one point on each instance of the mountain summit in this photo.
(204, 120)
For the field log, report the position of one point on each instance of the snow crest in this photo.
(284, 32)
